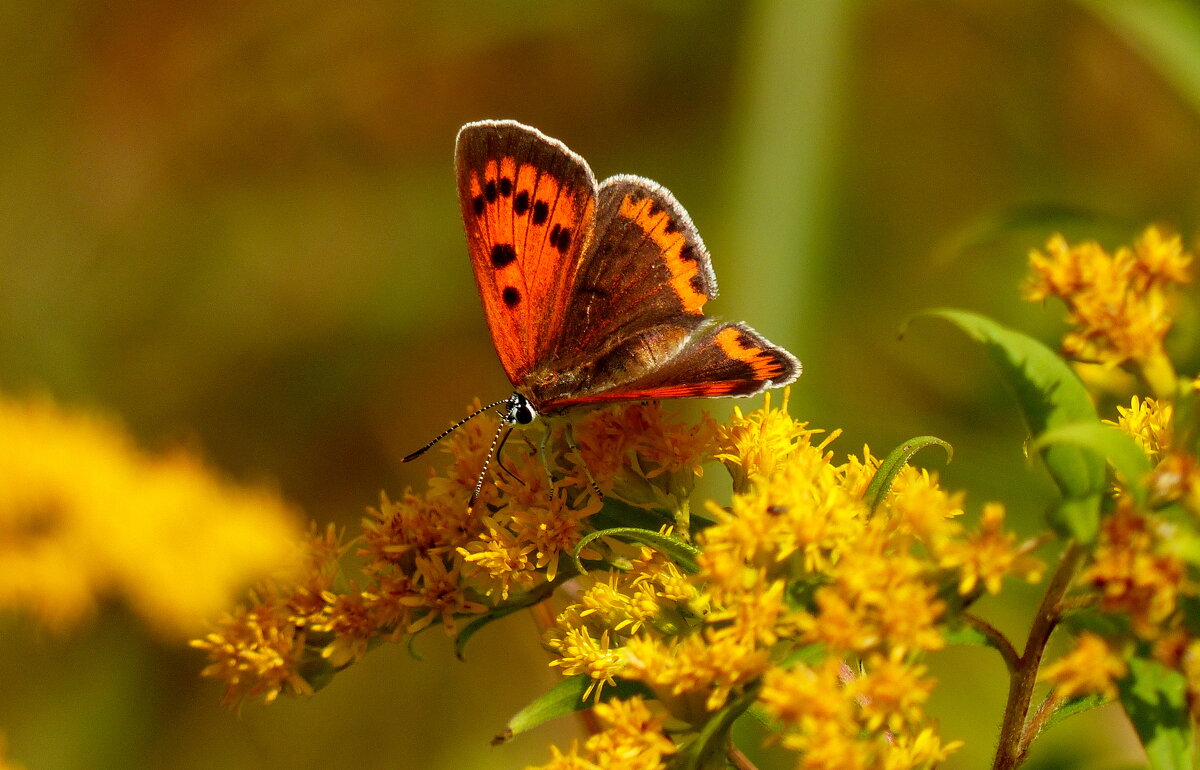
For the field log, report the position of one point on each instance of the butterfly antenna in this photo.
(486, 462)
(450, 430)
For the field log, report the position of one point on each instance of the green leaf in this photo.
(808, 655)
(616, 513)
(1049, 395)
(1071, 707)
(683, 554)
(966, 635)
(1118, 448)
(892, 464)
(1154, 697)
(564, 698)
(1095, 620)
(708, 748)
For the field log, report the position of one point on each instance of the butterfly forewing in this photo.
(528, 205)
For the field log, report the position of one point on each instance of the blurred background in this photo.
(234, 226)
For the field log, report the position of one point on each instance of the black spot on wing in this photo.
(521, 203)
(489, 191)
(503, 254)
(564, 240)
(511, 296)
(506, 187)
(477, 204)
(541, 210)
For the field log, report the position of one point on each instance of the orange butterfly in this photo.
(593, 293)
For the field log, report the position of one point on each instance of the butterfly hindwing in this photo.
(528, 206)
(646, 266)
(715, 359)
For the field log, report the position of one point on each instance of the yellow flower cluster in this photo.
(1141, 570)
(1091, 668)
(631, 738)
(1120, 304)
(426, 559)
(85, 516)
(261, 650)
(798, 562)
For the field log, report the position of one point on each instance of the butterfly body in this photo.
(594, 293)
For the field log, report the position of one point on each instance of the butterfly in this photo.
(593, 293)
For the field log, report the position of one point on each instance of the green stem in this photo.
(1012, 748)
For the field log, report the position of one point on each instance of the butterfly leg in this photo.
(500, 459)
(546, 461)
(570, 437)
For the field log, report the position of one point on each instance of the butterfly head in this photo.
(519, 410)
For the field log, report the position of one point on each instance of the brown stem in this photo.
(1011, 659)
(1037, 724)
(1011, 748)
(738, 759)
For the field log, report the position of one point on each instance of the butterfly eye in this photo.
(520, 410)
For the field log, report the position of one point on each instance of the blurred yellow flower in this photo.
(84, 515)
(1091, 668)
(1133, 573)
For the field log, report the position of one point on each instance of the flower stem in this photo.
(998, 640)
(738, 759)
(1012, 748)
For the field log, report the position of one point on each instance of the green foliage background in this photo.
(235, 226)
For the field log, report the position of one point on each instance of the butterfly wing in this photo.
(646, 266)
(712, 358)
(635, 327)
(528, 206)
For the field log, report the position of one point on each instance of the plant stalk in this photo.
(1011, 748)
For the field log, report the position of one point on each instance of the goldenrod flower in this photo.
(643, 454)
(878, 600)
(259, 650)
(752, 446)
(989, 555)
(1133, 574)
(1091, 668)
(697, 673)
(922, 751)
(806, 695)
(801, 513)
(84, 515)
(892, 692)
(632, 736)
(1148, 421)
(581, 653)
(566, 761)
(918, 506)
(825, 746)
(1121, 305)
